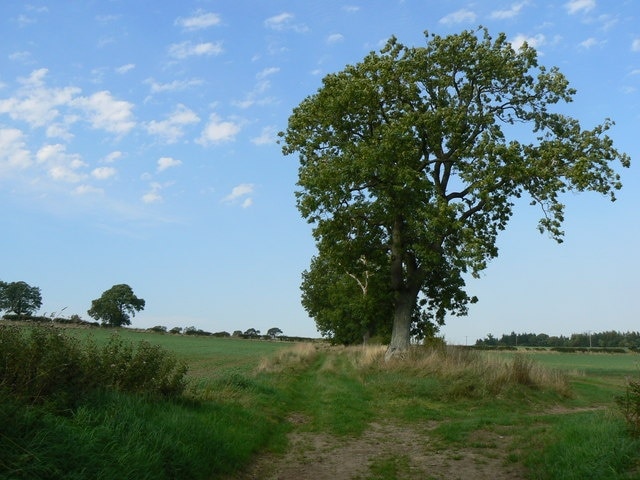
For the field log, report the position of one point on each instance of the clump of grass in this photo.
(299, 356)
(475, 374)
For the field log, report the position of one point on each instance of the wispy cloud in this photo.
(199, 21)
(535, 41)
(103, 173)
(167, 162)
(14, 154)
(153, 195)
(60, 165)
(577, 6)
(171, 129)
(589, 43)
(112, 157)
(240, 192)
(513, 11)
(635, 45)
(268, 136)
(335, 38)
(285, 21)
(176, 85)
(187, 49)
(125, 68)
(218, 131)
(459, 16)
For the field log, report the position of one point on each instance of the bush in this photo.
(42, 364)
(629, 404)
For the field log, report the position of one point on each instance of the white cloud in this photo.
(125, 68)
(635, 45)
(13, 152)
(35, 103)
(588, 43)
(239, 192)
(535, 41)
(218, 131)
(60, 165)
(284, 21)
(351, 8)
(335, 38)
(171, 130)
(104, 112)
(112, 157)
(199, 21)
(267, 72)
(153, 195)
(103, 173)
(459, 16)
(254, 96)
(167, 162)
(511, 12)
(176, 85)
(187, 49)
(576, 6)
(23, 56)
(268, 136)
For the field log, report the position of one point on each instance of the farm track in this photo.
(408, 451)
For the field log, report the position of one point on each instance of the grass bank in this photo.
(242, 397)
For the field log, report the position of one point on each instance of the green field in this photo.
(260, 409)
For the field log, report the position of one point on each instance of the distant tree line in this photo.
(608, 339)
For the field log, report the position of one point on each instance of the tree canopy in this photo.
(116, 306)
(411, 162)
(19, 298)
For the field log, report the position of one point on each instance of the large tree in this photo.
(423, 150)
(20, 298)
(116, 306)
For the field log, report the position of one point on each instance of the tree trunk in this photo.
(401, 333)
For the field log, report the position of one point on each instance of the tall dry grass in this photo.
(466, 373)
(473, 373)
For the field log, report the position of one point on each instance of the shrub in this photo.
(41, 363)
(629, 404)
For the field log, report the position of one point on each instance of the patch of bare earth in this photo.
(319, 456)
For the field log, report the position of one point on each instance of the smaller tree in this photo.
(274, 332)
(19, 298)
(251, 333)
(116, 306)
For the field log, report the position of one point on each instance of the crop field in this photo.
(276, 410)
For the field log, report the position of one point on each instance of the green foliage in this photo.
(410, 165)
(116, 306)
(19, 298)
(272, 332)
(44, 364)
(629, 404)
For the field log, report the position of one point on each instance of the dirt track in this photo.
(387, 451)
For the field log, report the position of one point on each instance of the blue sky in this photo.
(138, 146)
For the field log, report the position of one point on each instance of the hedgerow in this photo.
(44, 364)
